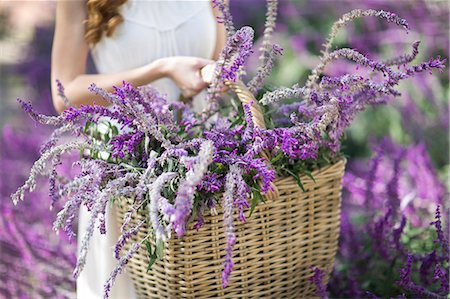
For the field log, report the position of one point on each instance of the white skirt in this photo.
(100, 261)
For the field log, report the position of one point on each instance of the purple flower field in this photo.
(394, 240)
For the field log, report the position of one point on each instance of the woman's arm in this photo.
(69, 55)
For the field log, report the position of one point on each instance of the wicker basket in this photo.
(276, 248)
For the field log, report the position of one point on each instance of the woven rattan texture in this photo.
(274, 253)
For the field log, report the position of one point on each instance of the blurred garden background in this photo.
(394, 232)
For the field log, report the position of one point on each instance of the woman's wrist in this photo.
(155, 70)
(164, 66)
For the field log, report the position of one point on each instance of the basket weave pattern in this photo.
(276, 248)
(274, 253)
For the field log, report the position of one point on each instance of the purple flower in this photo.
(242, 191)
(317, 280)
(441, 238)
(240, 47)
(200, 216)
(248, 133)
(265, 70)
(227, 206)
(186, 191)
(125, 237)
(120, 266)
(226, 17)
(211, 183)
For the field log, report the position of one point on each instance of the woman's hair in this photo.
(102, 18)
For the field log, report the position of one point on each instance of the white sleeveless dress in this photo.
(151, 30)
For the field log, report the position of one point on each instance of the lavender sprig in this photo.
(317, 279)
(226, 17)
(232, 57)
(359, 13)
(406, 58)
(265, 69)
(344, 20)
(185, 194)
(39, 165)
(155, 198)
(227, 206)
(119, 268)
(269, 27)
(62, 94)
(125, 237)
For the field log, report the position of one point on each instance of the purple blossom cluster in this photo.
(386, 216)
(317, 280)
(168, 160)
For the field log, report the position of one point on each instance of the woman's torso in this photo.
(156, 29)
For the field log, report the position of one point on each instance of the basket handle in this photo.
(245, 96)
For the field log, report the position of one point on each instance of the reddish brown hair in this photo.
(102, 18)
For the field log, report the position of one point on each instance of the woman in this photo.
(163, 43)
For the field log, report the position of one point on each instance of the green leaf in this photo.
(159, 249)
(256, 198)
(151, 262)
(309, 174)
(170, 165)
(238, 120)
(277, 157)
(87, 126)
(151, 255)
(296, 178)
(220, 167)
(146, 143)
(172, 185)
(114, 130)
(149, 248)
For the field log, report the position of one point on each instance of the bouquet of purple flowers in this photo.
(176, 163)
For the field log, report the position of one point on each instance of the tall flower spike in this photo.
(119, 268)
(264, 70)
(344, 20)
(185, 193)
(441, 237)
(267, 52)
(43, 119)
(350, 54)
(155, 199)
(359, 13)
(39, 165)
(241, 193)
(61, 93)
(248, 133)
(227, 206)
(233, 56)
(295, 92)
(403, 59)
(125, 237)
(271, 18)
(240, 47)
(81, 261)
(226, 17)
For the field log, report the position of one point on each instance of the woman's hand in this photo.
(185, 72)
